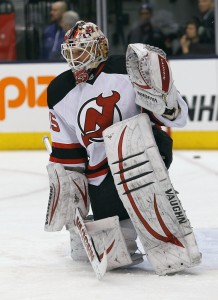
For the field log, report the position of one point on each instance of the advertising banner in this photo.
(197, 81)
(23, 104)
(24, 112)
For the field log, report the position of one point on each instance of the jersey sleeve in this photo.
(66, 149)
(180, 120)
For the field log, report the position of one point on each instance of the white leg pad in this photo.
(145, 189)
(78, 252)
(107, 236)
(125, 242)
(130, 236)
(68, 191)
(127, 239)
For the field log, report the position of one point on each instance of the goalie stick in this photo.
(99, 265)
(47, 144)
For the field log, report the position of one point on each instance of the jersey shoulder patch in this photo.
(59, 87)
(115, 64)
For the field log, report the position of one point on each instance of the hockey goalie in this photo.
(110, 158)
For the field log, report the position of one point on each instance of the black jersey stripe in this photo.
(60, 87)
(65, 153)
(116, 64)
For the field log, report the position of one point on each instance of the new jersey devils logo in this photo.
(96, 115)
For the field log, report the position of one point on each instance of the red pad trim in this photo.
(169, 238)
(164, 70)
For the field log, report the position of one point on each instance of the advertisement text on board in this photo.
(26, 93)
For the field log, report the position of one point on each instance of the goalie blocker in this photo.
(145, 189)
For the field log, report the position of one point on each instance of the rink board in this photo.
(23, 140)
(181, 140)
(24, 114)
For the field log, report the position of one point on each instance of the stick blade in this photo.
(99, 266)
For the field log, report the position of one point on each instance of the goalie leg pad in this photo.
(145, 189)
(118, 241)
(107, 236)
(68, 190)
(125, 242)
(78, 252)
(130, 236)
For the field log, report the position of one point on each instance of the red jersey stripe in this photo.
(97, 174)
(66, 146)
(67, 161)
(98, 165)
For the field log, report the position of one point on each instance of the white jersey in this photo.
(80, 113)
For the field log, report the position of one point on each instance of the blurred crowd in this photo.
(62, 20)
(195, 37)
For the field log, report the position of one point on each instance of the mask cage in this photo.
(76, 60)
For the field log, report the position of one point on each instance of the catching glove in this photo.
(151, 77)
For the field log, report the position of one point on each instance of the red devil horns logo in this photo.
(95, 121)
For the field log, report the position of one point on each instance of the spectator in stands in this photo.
(206, 18)
(144, 32)
(190, 42)
(53, 34)
(165, 20)
(68, 20)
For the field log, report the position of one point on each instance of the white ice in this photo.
(36, 265)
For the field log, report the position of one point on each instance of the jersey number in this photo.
(54, 123)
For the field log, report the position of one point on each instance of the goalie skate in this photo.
(145, 189)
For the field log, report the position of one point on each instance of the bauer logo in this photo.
(16, 92)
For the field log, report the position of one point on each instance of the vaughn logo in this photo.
(176, 206)
(49, 204)
(96, 115)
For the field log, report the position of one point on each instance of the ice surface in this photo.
(36, 265)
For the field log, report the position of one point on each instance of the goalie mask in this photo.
(84, 47)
